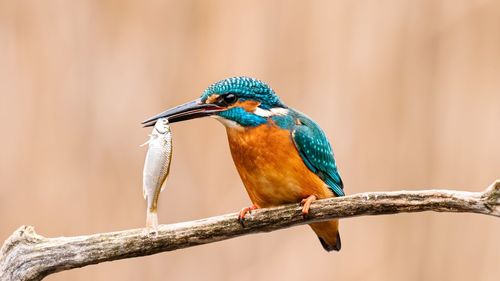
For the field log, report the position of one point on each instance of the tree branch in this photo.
(26, 255)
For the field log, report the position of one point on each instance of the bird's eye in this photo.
(227, 99)
(230, 98)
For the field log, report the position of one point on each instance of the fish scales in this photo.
(156, 169)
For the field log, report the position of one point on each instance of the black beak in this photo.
(190, 110)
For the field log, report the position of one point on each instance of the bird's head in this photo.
(237, 101)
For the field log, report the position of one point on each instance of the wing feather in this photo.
(316, 152)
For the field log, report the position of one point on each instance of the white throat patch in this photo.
(226, 122)
(272, 112)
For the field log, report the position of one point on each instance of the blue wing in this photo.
(315, 150)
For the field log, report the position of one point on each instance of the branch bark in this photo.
(25, 255)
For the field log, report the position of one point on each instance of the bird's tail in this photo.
(328, 234)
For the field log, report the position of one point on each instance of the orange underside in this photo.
(271, 168)
(273, 172)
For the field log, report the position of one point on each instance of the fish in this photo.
(156, 170)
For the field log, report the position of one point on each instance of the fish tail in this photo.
(152, 221)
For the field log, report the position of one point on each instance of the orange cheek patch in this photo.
(213, 98)
(248, 105)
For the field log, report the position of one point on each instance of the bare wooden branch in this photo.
(26, 255)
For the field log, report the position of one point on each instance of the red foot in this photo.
(243, 212)
(306, 202)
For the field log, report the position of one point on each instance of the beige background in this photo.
(408, 92)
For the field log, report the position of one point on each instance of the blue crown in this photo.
(246, 88)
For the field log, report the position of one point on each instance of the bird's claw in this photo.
(306, 203)
(243, 212)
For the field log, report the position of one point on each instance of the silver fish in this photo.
(156, 169)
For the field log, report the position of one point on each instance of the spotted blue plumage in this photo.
(316, 152)
(242, 117)
(246, 88)
(309, 139)
(313, 146)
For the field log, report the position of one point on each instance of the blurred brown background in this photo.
(408, 92)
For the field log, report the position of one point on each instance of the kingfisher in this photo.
(281, 155)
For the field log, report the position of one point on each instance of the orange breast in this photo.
(271, 168)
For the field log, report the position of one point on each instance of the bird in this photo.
(281, 155)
